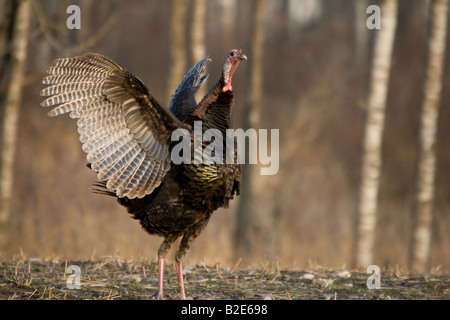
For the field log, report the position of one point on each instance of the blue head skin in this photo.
(183, 101)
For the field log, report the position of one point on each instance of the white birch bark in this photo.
(428, 128)
(372, 143)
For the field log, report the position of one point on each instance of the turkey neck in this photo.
(216, 109)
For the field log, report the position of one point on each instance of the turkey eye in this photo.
(232, 54)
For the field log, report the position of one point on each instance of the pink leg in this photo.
(180, 279)
(160, 295)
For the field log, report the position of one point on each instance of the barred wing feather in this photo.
(123, 129)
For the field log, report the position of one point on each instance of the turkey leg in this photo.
(180, 279)
(160, 295)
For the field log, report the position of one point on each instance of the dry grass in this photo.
(113, 278)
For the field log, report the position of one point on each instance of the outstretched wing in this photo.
(123, 129)
(183, 100)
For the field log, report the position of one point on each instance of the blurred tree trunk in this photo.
(428, 128)
(17, 59)
(361, 35)
(198, 48)
(246, 202)
(177, 51)
(371, 162)
(6, 33)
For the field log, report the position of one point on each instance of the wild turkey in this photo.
(126, 134)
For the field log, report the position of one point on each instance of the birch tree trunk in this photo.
(177, 50)
(428, 128)
(246, 203)
(372, 141)
(11, 111)
(198, 49)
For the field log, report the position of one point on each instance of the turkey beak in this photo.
(242, 56)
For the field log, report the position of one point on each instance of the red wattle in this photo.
(227, 87)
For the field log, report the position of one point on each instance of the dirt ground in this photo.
(113, 278)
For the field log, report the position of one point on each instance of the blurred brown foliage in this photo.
(315, 85)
